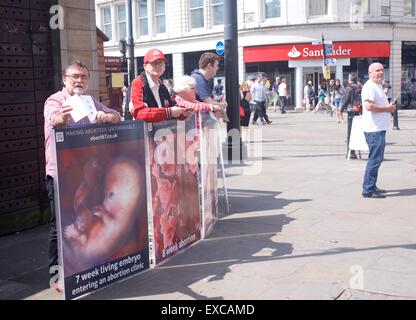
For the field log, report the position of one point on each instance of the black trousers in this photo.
(351, 115)
(260, 111)
(283, 101)
(53, 236)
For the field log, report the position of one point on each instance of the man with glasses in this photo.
(150, 98)
(57, 113)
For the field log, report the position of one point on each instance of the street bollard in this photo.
(351, 115)
(396, 120)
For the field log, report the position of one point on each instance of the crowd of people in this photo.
(152, 100)
(147, 99)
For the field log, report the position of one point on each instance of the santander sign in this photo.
(310, 53)
(307, 51)
(294, 53)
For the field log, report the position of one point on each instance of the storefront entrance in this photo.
(316, 76)
(305, 59)
(311, 70)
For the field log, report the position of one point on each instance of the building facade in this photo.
(277, 37)
(38, 39)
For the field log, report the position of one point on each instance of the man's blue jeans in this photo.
(376, 143)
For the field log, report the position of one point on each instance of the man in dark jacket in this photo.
(150, 97)
(351, 97)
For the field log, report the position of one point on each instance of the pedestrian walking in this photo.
(275, 88)
(322, 94)
(310, 96)
(283, 95)
(245, 95)
(338, 93)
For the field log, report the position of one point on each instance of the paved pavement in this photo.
(298, 230)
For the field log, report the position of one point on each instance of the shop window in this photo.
(271, 70)
(107, 25)
(359, 66)
(143, 18)
(139, 64)
(160, 16)
(191, 60)
(272, 9)
(361, 7)
(217, 7)
(122, 21)
(196, 10)
(318, 8)
(408, 96)
(409, 7)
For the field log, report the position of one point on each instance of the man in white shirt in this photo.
(283, 95)
(376, 117)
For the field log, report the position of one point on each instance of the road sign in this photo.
(328, 48)
(327, 72)
(330, 62)
(319, 42)
(219, 48)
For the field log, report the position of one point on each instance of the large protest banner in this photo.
(173, 160)
(101, 205)
(209, 169)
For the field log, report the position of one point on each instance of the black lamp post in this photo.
(231, 79)
(130, 42)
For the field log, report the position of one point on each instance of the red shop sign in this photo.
(304, 51)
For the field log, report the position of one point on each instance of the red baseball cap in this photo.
(153, 55)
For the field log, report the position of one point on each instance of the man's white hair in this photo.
(183, 83)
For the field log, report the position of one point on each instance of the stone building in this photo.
(276, 37)
(37, 39)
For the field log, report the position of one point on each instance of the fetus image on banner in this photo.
(107, 209)
(175, 200)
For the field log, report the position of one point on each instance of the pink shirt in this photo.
(52, 108)
(196, 105)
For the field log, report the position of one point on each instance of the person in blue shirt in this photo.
(208, 67)
(322, 93)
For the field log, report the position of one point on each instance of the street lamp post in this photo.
(325, 69)
(130, 42)
(231, 78)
